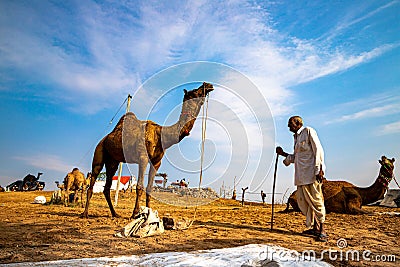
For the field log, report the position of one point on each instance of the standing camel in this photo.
(75, 181)
(344, 197)
(142, 142)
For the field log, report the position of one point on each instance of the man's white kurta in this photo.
(308, 156)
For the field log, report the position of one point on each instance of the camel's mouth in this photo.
(208, 87)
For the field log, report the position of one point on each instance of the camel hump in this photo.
(130, 114)
(29, 178)
(130, 119)
(127, 120)
(77, 173)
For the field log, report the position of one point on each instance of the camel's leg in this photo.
(83, 190)
(143, 161)
(97, 166)
(152, 172)
(354, 207)
(66, 197)
(353, 202)
(68, 186)
(76, 196)
(358, 211)
(111, 168)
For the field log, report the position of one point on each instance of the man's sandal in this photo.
(322, 238)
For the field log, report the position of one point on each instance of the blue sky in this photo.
(67, 66)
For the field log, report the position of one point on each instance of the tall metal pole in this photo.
(128, 106)
(273, 191)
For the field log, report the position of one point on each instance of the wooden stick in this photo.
(273, 191)
(128, 106)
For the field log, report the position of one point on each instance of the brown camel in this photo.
(142, 142)
(344, 197)
(75, 181)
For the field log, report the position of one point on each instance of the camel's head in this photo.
(192, 102)
(200, 92)
(386, 170)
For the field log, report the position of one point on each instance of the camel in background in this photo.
(344, 197)
(142, 142)
(75, 181)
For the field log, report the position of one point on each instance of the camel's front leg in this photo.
(76, 196)
(82, 193)
(139, 186)
(66, 196)
(152, 172)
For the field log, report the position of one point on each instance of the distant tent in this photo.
(124, 179)
(392, 199)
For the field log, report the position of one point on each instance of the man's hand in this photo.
(320, 175)
(280, 152)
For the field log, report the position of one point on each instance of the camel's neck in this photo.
(374, 192)
(173, 134)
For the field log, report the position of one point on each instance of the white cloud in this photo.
(103, 53)
(391, 128)
(94, 56)
(46, 162)
(369, 113)
(370, 107)
(356, 17)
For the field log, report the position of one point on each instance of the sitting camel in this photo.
(344, 197)
(75, 181)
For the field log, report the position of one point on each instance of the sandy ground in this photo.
(34, 232)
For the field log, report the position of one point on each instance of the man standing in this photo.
(263, 196)
(308, 159)
(244, 191)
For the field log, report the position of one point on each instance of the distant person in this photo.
(263, 196)
(243, 192)
(234, 194)
(165, 179)
(308, 159)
